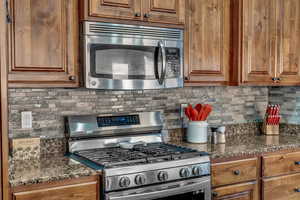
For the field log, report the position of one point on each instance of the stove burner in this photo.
(140, 154)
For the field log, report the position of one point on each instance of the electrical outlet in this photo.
(26, 120)
(182, 107)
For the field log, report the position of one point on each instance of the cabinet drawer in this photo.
(84, 191)
(234, 172)
(275, 165)
(283, 187)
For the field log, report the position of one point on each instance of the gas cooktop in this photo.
(139, 154)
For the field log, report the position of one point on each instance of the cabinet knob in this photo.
(276, 79)
(137, 14)
(186, 78)
(297, 163)
(215, 194)
(237, 172)
(297, 189)
(147, 15)
(72, 78)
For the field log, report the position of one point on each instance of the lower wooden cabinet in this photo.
(244, 191)
(282, 188)
(85, 189)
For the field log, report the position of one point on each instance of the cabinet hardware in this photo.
(297, 163)
(186, 78)
(297, 189)
(147, 15)
(215, 194)
(237, 172)
(72, 78)
(276, 79)
(137, 14)
(8, 17)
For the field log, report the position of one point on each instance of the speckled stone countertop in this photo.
(47, 168)
(247, 145)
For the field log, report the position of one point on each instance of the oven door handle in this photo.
(162, 48)
(154, 193)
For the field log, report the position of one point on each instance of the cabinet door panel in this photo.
(283, 187)
(120, 9)
(259, 41)
(170, 11)
(245, 191)
(85, 191)
(43, 43)
(289, 45)
(207, 44)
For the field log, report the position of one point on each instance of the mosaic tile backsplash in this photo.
(49, 106)
(289, 99)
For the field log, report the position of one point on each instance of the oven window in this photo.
(123, 61)
(186, 196)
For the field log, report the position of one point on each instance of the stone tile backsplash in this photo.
(289, 99)
(49, 106)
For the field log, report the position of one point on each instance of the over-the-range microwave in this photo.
(129, 57)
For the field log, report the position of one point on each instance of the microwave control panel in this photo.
(173, 62)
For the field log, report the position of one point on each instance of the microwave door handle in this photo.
(162, 48)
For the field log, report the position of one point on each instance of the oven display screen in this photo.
(118, 120)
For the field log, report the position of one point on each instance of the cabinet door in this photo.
(207, 42)
(283, 187)
(288, 69)
(118, 9)
(258, 41)
(43, 43)
(166, 11)
(85, 191)
(245, 191)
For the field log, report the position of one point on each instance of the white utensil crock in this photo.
(197, 132)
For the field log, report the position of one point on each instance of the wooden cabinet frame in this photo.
(4, 183)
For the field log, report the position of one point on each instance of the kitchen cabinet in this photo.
(282, 187)
(85, 189)
(269, 42)
(234, 172)
(171, 12)
(244, 191)
(43, 43)
(235, 180)
(207, 43)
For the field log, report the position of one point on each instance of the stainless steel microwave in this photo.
(129, 57)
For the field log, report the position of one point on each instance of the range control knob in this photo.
(197, 171)
(124, 182)
(140, 179)
(162, 176)
(185, 172)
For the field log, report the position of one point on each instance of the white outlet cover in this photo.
(26, 119)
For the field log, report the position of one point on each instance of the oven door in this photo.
(129, 63)
(192, 189)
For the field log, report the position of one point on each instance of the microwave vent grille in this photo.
(133, 31)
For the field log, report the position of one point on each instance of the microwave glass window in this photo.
(123, 62)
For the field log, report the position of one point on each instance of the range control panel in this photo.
(124, 120)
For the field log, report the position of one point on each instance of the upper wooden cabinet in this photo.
(288, 62)
(258, 41)
(119, 9)
(207, 42)
(270, 42)
(43, 43)
(170, 12)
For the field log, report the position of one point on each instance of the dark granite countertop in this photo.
(247, 145)
(47, 168)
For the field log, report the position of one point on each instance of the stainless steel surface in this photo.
(163, 57)
(164, 190)
(214, 138)
(158, 173)
(116, 34)
(221, 138)
(86, 125)
(78, 145)
(124, 30)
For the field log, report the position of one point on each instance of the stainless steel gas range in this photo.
(136, 164)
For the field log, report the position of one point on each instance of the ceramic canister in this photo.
(197, 132)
